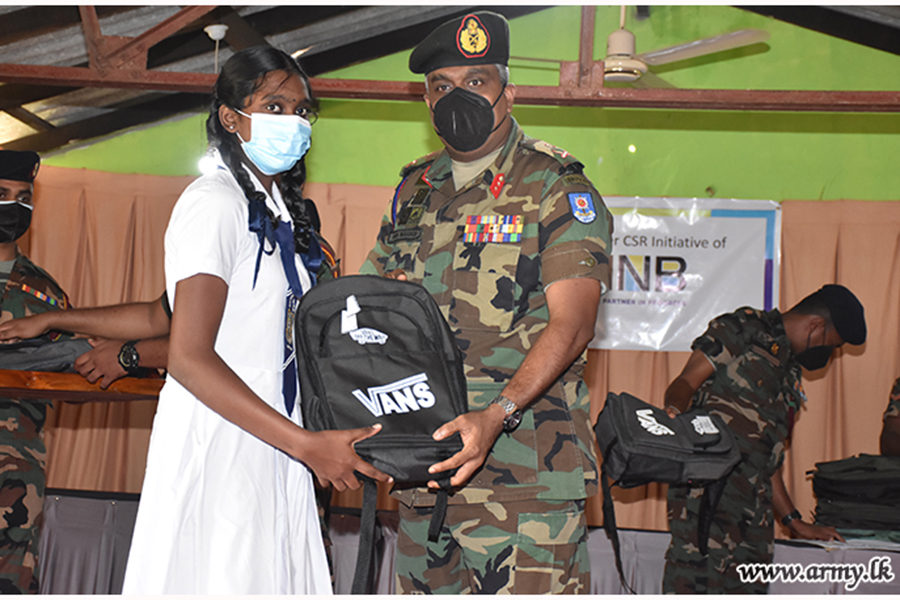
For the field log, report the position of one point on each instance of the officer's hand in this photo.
(396, 274)
(671, 412)
(807, 531)
(25, 328)
(479, 431)
(101, 362)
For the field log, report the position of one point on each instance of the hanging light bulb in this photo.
(216, 33)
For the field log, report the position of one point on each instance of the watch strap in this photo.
(505, 403)
(513, 413)
(795, 515)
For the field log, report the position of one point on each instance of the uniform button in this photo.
(759, 383)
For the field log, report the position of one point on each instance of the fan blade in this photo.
(710, 45)
(652, 80)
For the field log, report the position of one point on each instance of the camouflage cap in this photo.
(847, 314)
(480, 38)
(19, 165)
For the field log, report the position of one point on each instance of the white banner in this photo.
(679, 262)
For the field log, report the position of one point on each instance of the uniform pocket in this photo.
(484, 286)
(550, 557)
(403, 256)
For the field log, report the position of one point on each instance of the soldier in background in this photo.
(27, 290)
(513, 242)
(746, 368)
(890, 431)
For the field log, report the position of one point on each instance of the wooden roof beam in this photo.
(29, 118)
(108, 52)
(562, 95)
(139, 45)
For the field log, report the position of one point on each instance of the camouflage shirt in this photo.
(893, 409)
(755, 388)
(486, 253)
(30, 290)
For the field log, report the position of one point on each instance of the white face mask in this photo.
(277, 142)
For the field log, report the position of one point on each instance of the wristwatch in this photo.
(513, 413)
(129, 357)
(786, 519)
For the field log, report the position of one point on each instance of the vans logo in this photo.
(401, 396)
(366, 335)
(649, 422)
(704, 425)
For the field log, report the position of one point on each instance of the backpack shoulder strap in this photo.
(366, 552)
(609, 524)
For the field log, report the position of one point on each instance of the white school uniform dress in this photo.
(222, 512)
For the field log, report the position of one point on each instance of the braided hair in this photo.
(241, 76)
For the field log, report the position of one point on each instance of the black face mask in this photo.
(816, 357)
(15, 218)
(464, 119)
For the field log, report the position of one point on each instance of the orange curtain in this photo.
(100, 235)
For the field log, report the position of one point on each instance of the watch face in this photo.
(512, 420)
(128, 358)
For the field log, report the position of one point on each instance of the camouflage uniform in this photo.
(893, 409)
(492, 294)
(30, 290)
(756, 389)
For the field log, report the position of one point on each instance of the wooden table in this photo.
(72, 387)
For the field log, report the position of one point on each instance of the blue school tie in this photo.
(282, 236)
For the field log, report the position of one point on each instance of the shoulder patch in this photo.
(419, 162)
(582, 204)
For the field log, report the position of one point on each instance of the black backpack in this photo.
(640, 444)
(860, 492)
(376, 350)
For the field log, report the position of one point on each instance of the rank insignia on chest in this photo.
(420, 196)
(410, 216)
(493, 228)
(582, 204)
(774, 349)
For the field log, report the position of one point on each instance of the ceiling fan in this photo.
(622, 65)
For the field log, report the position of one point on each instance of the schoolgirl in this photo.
(227, 504)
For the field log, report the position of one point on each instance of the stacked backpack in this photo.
(860, 492)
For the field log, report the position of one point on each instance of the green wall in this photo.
(762, 155)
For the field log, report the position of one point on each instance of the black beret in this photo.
(19, 165)
(847, 314)
(480, 38)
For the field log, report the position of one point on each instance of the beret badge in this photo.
(472, 38)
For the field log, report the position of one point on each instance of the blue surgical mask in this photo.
(277, 142)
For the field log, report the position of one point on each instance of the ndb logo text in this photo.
(411, 393)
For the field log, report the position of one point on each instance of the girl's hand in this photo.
(331, 457)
